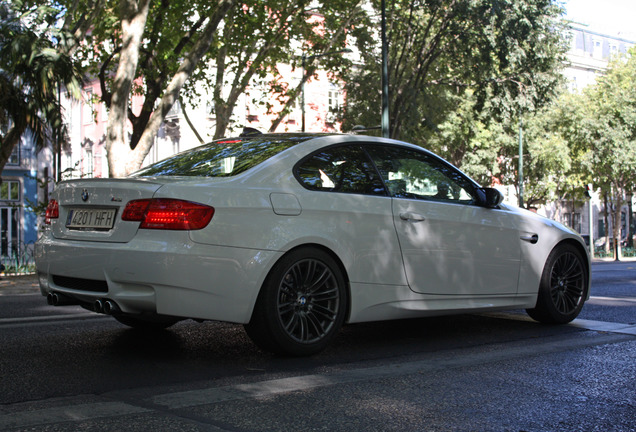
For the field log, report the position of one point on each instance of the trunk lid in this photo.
(90, 209)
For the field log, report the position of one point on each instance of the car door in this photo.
(449, 244)
(350, 206)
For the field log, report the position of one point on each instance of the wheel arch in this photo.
(326, 250)
(584, 252)
(561, 296)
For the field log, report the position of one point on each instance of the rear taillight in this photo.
(52, 212)
(168, 214)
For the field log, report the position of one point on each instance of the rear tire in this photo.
(301, 306)
(564, 287)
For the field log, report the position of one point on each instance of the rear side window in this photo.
(221, 158)
(344, 169)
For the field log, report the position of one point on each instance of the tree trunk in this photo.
(133, 21)
(172, 91)
(222, 113)
(616, 229)
(606, 218)
(121, 159)
(630, 220)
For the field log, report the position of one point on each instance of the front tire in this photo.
(301, 306)
(563, 288)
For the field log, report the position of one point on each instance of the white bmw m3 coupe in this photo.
(293, 235)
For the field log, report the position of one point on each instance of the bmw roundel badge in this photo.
(85, 195)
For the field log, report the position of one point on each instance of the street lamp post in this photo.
(303, 79)
(520, 163)
(386, 132)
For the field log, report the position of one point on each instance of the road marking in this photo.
(615, 299)
(19, 322)
(431, 362)
(603, 326)
(45, 317)
(68, 413)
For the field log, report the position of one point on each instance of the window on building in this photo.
(87, 107)
(10, 190)
(598, 48)
(67, 165)
(576, 222)
(175, 111)
(294, 115)
(10, 230)
(104, 110)
(88, 164)
(334, 103)
(209, 109)
(573, 220)
(14, 159)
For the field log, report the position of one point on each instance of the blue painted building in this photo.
(18, 193)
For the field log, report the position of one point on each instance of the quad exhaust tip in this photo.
(104, 306)
(110, 307)
(56, 299)
(98, 306)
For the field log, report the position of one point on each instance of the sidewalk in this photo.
(610, 259)
(22, 284)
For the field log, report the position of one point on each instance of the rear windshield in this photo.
(223, 158)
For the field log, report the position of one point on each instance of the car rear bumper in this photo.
(175, 276)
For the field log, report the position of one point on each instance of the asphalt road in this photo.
(64, 369)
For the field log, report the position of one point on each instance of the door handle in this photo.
(412, 217)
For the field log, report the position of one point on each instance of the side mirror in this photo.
(489, 197)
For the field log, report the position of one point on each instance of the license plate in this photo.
(79, 218)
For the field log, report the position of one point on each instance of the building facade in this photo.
(85, 153)
(18, 199)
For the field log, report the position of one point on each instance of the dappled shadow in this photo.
(140, 343)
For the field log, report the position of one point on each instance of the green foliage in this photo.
(245, 50)
(600, 125)
(32, 67)
(171, 30)
(610, 124)
(548, 163)
(607, 134)
(468, 139)
(506, 53)
(260, 35)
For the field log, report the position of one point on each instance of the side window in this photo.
(411, 174)
(340, 169)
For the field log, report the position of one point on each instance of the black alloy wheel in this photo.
(563, 288)
(308, 301)
(301, 306)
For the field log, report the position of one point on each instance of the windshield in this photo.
(222, 158)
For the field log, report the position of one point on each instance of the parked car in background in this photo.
(294, 235)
